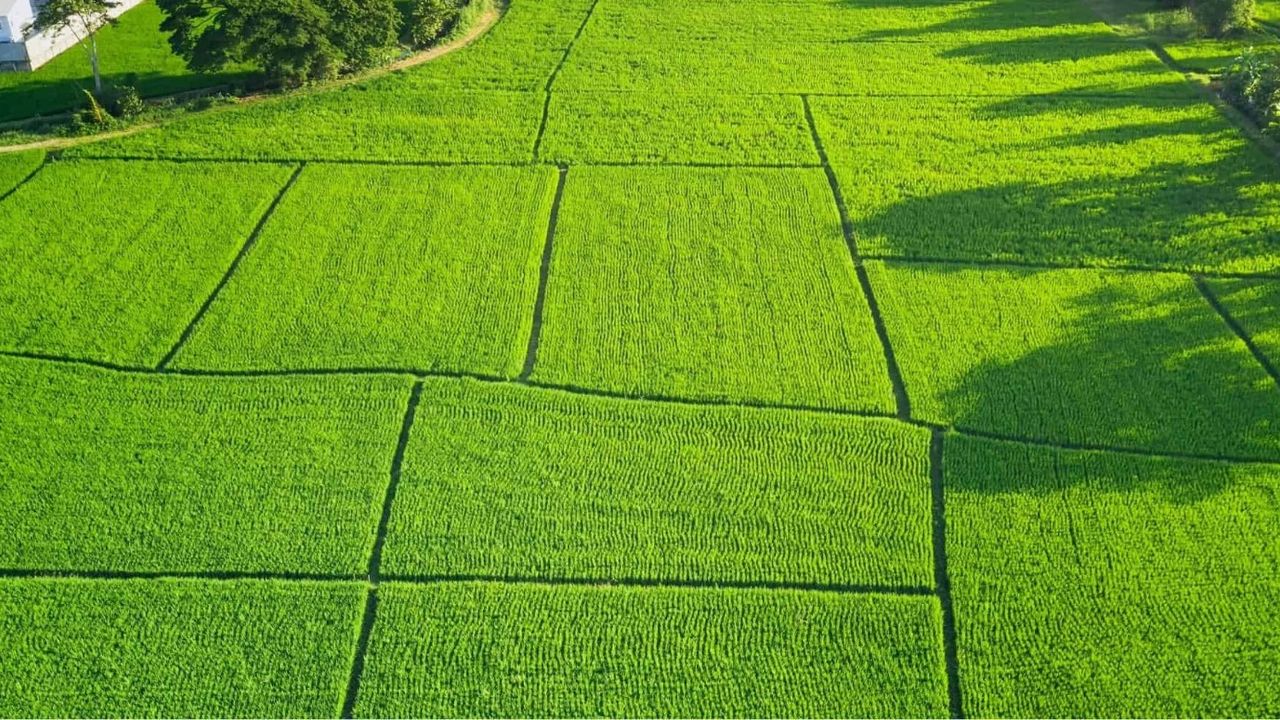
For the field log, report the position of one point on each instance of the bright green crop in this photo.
(507, 481)
(419, 268)
(493, 650)
(1089, 584)
(706, 283)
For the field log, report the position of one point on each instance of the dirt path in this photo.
(482, 26)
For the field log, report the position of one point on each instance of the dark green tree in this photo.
(292, 41)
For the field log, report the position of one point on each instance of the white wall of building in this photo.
(39, 48)
(15, 16)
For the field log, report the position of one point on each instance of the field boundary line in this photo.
(1110, 449)
(231, 269)
(1216, 303)
(1036, 265)
(446, 579)
(375, 554)
(48, 158)
(941, 574)
(544, 273)
(441, 163)
(551, 80)
(705, 403)
(901, 399)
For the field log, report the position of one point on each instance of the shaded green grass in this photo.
(1056, 180)
(663, 127)
(1131, 359)
(1255, 304)
(126, 253)
(723, 284)
(134, 52)
(1089, 584)
(171, 648)
(509, 481)
(107, 471)
(421, 268)
(527, 650)
(15, 167)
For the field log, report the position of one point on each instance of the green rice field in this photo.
(655, 358)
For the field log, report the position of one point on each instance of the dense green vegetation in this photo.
(133, 52)
(1255, 304)
(16, 167)
(537, 651)
(1092, 584)
(1101, 182)
(721, 460)
(423, 268)
(170, 648)
(121, 267)
(1113, 358)
(731, 284)
(503, 481)
(139, 473)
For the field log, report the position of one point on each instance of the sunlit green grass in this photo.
(111, 260)
(106, 471)
(504, 481)
(711, 284)
(365, 266)
(175, 648)
(528, 650)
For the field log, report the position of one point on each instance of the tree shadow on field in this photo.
(1155, 370)
(1084, 197)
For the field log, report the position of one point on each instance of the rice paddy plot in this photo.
(375, 121)
(379, 267)
(505, 481)
(767, 23)
(727, 284)
(1255, 304)
(476, 649)
(1102, 182)
(122, 472)
(995, 68)
(175, 648)
(1137, 360)
(520, 53)
(16, 167)
(127, 253)
(1089, 585)
(673, 128)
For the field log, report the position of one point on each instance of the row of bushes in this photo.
(1252, 84)
(1218, 18)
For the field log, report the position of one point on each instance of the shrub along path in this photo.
(768, 374)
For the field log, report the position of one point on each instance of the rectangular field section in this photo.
(495, 650)
(108, 471)
(629, 127)
(1098, 357)
(15, 167)
(725, 284)
(507, 481)
(432, 269)
(110, 260)
(175, 648)
(1096, 585)
(1068, 181)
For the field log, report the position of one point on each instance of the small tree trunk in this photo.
(93, 60)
